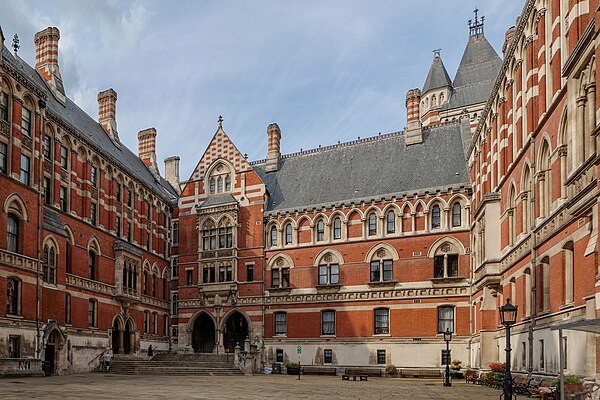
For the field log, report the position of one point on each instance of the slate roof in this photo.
(368, 168)
(52, 222)
(92, 132)
(218, 200)
(476, 73)
(437, 77)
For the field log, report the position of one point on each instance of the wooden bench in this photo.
(355, 373)
(521, 384)
(420, 373)
(318, 370)
(543, 389)
(471, 376)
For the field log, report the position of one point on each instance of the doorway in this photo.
(203, 334)
(235, 332)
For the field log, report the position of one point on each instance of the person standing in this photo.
(107, 359)
(150, 351)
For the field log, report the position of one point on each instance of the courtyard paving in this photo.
(107, 386)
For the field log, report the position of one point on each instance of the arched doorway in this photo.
(127, 337)
(235, 331)
(51, 353)
(203, 334)
(115, 337)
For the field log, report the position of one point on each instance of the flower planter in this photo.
(293, 371)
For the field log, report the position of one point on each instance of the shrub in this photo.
(456, 365)
(292, 365)
(391, 368)
(496, 376)
(572, 379)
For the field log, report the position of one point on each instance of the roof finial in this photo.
(15, 44)
(220, 121)
(476, 26)
(436, 53)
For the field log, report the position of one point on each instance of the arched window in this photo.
(273, 236)
(92, 267)
(280, 273)
(219, 184)
(212, 186)
(92, 312)
(381, 266)
(288, 233)
(445, 261)
(13, 296)
(329, 270)
(337, 228)
(209, 236)
(512, 229)
(49, 264)
(372, 224)
(391, 222)
(545, 180)
(456, 215)
(13, 233)
(526, 189)
(436, 217)
(320, 230)
(227, 183)
(568, 273)
(220, 178)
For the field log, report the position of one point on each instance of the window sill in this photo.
(382, 283)
(382, 335)
(280, 336)
(566, 306)
(280, 290)
(14, 316)
(334, 336)
(447, 279)
(328, 288)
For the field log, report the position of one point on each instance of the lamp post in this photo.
(447, 338)
(508, 317)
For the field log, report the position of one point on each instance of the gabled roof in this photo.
(90, 131)
(368, 168)
(476, 73)
(218, 200)
(438, 76)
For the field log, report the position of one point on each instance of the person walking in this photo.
(150, 351)
(107, 360)
(101, 361)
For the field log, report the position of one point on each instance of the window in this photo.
(94, 176)
(129, 233)
(3, 157)
(47, 190)
(165, 324)
(381, 270)
(372, 224)
(280, 277)
(542, 361)
(288, 233)
(154, 323)
(327, 356)
(64, 157)
(380, 356)
(146, 321)
(119, 193)
(456, 215)
(92, 313)
(175, 268)
(445, 319)
(280, 324)
(25, 169)
(329, 274)
(49, 264)
(26, 121)
(279, 355)
(225, 273)
(68, 256)
(337, 228)
(249, 272)
(320, 230)
(3, 106)
(382, 321)
(189, 277)
(435, 217)
(568, 272)
(175, 233)
(129, 198)
(391, 222)
(273, 236)
(12, 233)
(328, 322)
(64, 198)
(524, 355)
(445, 266)
(118, 226)
(220, 179)
(212, 186)
(13, 296)
(174, 304)
(67, 308)
(209, 274)
(14, 346)
(47, 147)
(92, 265)
(93, 218)
(209, 237)
(225, 237)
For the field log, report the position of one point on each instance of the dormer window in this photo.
(220, 179)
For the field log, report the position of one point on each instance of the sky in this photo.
(324, 70)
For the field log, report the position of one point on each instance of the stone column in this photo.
(590, 120)
(579, 137)
(121, 342)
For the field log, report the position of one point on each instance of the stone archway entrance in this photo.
(127, 337)
(115, 337)
(51, 353)
(203, 334)
(235, 331)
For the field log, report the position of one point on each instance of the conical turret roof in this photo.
(438, 76)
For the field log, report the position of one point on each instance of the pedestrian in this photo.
(107, 360)
(101, 361)
(150, 352)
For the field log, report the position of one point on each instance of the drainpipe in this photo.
(533, 295)
(38, 345)
(472, 279)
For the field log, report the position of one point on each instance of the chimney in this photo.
(508, 38)
(172, 172)
(107, 113)
(46, 60)
(413, 131)
(273, 153)
(147, 148)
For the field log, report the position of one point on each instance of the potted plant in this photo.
(573, 384)
(455, 367)
(391, 370)
(292, 368)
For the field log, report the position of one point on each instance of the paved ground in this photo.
(281, 387)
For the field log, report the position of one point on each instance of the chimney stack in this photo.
(107, 113)
(46, 60)
(274, 152)
(147, 148)
(508, 38)
(172, 172)
(413, 131)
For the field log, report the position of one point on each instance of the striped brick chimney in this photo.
(147, 148)
(107, 113)
(46, 60)
(273, 152)
(413, 131)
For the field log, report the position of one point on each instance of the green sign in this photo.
(299, 350)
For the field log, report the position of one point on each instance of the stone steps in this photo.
(177, 364)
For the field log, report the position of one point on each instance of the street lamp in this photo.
(447, 338)
(508, 317)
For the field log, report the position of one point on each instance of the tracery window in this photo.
(288, 233)
(12, 231)
(436, 217)
(219, 180)
(337, 228)
(456, 215)
(49, 264)
(372, 220)
(320, 230)
(12, 296)
(273, 236)
(391, 222)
